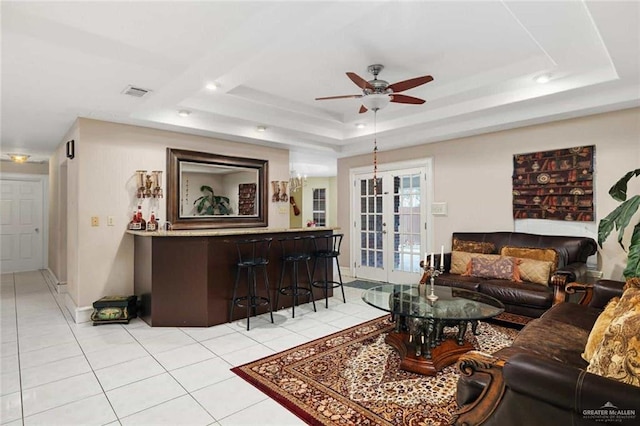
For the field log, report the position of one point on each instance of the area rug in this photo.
(352, 377)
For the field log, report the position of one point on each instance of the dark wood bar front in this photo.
(186, 278)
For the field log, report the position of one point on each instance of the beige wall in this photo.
(101, 182)
(473, 175)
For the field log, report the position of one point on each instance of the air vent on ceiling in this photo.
(135, 91)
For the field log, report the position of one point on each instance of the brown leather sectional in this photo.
(541, 379)
(525, 298)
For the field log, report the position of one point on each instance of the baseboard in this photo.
(79, 315)
(53, 282)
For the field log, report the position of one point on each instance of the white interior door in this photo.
(21, 224)
(390, 225)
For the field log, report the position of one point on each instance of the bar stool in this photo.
(294, 251)
(252, 255)
(327, 248)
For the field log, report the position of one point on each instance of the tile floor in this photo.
(56, 372)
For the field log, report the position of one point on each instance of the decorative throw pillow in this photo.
(460, 260)
(535, 271)
(546, 254)
(632, 283)
(618, 355)
(473, 246)
(502, 268)
(597, 332)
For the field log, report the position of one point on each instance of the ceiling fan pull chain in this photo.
(375, 152)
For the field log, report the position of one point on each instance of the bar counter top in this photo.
(224, 232)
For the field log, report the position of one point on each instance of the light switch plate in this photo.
(439, 209)
(110, 221)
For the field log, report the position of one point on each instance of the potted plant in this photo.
(620, 219)
(210, 204)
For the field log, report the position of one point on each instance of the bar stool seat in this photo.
(253, 255)
(327, 248)
(294, 251)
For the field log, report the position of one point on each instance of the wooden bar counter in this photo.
(186, 278)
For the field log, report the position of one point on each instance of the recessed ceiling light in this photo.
(212, 86)
(261, 128)
(543, 78)
(19, 158)
(184, 113)
(361, 125)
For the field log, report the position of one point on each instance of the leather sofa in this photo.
(525, 298)
(541, 379)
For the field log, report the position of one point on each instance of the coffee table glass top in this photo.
(452, 304)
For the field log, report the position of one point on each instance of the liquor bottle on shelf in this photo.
(143, 223)
(134, 225)
(152, 225)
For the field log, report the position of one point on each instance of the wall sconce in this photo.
(149, 184)
(19, 158)
(296, 181)
(71, 149)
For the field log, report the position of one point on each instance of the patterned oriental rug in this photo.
(352, 377)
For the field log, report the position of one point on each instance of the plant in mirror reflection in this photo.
(210, 204)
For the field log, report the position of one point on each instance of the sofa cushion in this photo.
(502, 268)
(518, 293)
(535, 271)
(544, 254)
(574, 314)
(455, 280)
(618, 355)
(472, 246)
(597, 332)
(551, 339)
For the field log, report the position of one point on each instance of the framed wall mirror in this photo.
(215, 191)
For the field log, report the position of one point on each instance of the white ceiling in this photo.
(62, 60)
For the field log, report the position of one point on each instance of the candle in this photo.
(442, 256)
(424, 264)
(432, 264)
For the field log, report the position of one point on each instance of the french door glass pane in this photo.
(371, 241)
(406, 222)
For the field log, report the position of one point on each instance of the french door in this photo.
(390, 224)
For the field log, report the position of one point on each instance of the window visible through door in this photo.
(320, 206)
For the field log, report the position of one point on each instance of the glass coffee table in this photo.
(419, 335)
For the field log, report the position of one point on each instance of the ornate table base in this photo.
(444, 354)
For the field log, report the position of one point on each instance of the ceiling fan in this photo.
(376, 94)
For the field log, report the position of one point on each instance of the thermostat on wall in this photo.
(439, 209)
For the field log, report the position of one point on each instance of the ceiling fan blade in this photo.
(363, 109)
(359, 81)
(404, 99)
(338, 97)
(401, 86)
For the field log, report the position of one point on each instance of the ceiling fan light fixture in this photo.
(212, 86)
(376, 101)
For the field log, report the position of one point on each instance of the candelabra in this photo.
(433, 273)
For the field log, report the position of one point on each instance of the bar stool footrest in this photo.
(254, 301)
(326, 284)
